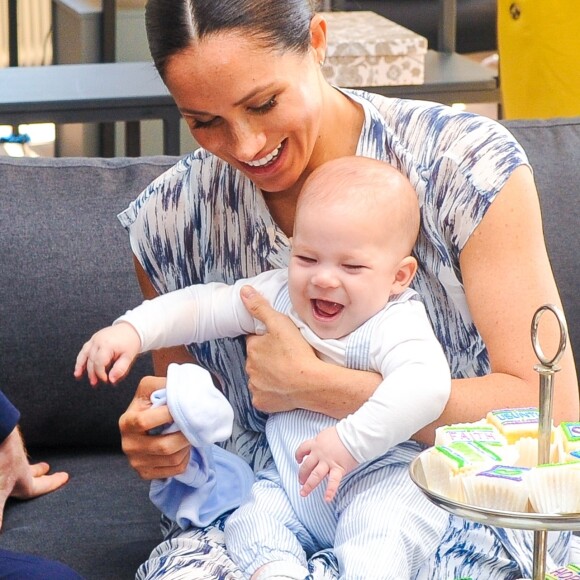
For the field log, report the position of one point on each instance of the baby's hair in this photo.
(173, 25)
(377, 186)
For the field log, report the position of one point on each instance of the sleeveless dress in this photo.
(203, 221)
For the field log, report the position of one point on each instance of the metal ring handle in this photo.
(549, 362)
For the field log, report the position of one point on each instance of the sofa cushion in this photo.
(66, 272)
(101, 523)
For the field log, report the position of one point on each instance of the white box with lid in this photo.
(365, 49)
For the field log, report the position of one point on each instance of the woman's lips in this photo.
(267, 164)
(267, 158)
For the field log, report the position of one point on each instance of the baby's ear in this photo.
(405, 274)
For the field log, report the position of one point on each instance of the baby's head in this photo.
(356, 223)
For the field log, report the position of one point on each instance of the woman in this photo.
(246, 77)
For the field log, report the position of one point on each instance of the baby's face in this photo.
(342, 270)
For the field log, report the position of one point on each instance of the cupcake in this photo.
(520, 427)
(514, 424)
(444, 466)
(553, 488)
(568, 440)
(480, 431)
(569, 572)
(500, 487)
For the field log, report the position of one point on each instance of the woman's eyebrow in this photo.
(194, 112)
(245, 98)
(252, 94)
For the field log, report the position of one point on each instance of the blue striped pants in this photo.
(380, 525)
(399, 535)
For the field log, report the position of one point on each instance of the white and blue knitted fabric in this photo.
(215, 481)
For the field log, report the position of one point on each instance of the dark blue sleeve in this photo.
(9, 417)
(17, 565)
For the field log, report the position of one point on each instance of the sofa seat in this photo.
(101, 522)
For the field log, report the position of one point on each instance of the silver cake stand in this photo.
(541, 524)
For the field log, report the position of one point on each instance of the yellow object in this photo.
(539, 58)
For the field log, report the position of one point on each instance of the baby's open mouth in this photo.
(326, 309)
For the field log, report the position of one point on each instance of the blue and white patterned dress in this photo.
(203, 221)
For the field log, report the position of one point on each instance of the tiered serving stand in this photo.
(539, 523)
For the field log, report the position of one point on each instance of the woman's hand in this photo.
(152, 456)
(286, 374)
(273, 358)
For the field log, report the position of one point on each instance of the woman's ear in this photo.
(318, 37)
(405, 273)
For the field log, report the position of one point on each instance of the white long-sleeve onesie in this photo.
(402, 348)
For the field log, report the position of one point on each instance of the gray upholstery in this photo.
(66, 271)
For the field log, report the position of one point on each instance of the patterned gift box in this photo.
(365, 50)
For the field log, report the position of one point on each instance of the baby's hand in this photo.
(117, 345)
(322, 456)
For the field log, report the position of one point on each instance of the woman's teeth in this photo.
(267, 159)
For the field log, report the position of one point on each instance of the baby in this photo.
(347, 290)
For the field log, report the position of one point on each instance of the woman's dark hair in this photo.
(173, 25)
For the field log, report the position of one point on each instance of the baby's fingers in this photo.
(81, 362)
(120, 369)
(98, 362)
(334, 479)
(303, 450)
(314, 479)
(85, 363)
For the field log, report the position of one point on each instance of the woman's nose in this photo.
(247, 142)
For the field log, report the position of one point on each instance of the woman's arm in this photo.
(507, 277)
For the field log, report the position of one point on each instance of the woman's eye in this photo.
(267, 106)
(198, 124)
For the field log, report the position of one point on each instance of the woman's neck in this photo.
(282, 206)
(341, 128)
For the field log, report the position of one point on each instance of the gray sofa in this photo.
(66, 270)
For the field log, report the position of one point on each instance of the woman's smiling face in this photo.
(254, 107)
